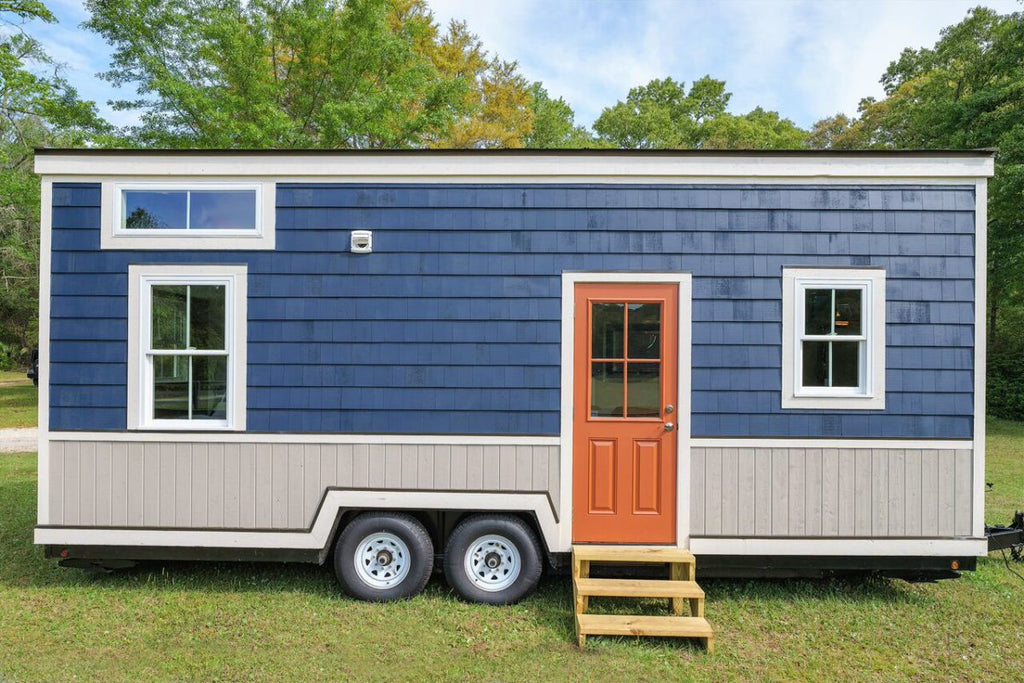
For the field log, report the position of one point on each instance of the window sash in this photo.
(149, 353)
(120, 217)
(864, 356)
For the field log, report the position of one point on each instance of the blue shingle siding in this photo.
(452, 324)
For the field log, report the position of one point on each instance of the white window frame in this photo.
(870, 394)
(141, 279)
(113, 235)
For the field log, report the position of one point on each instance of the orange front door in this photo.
(625, 387)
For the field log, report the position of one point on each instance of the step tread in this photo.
(631, 553)
(639, 588)
(632, 625)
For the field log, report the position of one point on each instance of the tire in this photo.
(493, 559)
(382, 557)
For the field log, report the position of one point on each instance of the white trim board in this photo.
(980, 352)
(878, 547)
(871, 282)
(320, 535)
(685, 320)
(909, 444)
(43, 406)
(140, 394)
(310, 438)
(485, 167)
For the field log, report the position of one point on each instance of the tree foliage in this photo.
(308, 73)
(664, 115)
(37, 108)
(554, 123)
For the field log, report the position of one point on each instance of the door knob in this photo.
(669, 426)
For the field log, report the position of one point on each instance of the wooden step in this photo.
(631, 553)
(638, 588)
(629, 625)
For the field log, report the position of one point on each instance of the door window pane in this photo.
(606, 389)
(607, 321)
(818, 311)
(815, 370)
(222, 210)
(643, 390)
(848, 311)
(170, 387)
(644, 325)
(155, 210)
(206, 329)
(209, 387)
(168, 317)
(845, 364)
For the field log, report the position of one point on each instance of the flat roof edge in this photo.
(589, 152)
(567, 166)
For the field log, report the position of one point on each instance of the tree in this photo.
(758, 129)
(307, 73)
(494, 111)
(554, 124)
(662, 114)
(37, 108)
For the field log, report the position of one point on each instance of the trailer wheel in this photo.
(493, 559)
(383, 557)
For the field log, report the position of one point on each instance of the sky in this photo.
(806, 59)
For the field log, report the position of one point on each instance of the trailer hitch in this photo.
(1012, 537)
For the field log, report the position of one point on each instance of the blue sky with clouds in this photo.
(804, 58)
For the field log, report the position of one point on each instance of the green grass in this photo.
(279, 622)
(17, 400)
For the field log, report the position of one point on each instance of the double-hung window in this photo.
(187, 346)
(833, 338)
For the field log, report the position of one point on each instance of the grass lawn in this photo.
(280, 622)
(17, 400)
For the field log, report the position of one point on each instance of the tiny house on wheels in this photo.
(773, 361)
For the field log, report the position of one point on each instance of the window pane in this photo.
(846, 364)
(223, 209)
(644, 325)
(168, 321)
(209, 387)
(818, 311)
(644, 390)
(606, 335)
(815, 371)
(154, 210)
(848, 311)
(207, 317)
(606, 389)
(170, 387)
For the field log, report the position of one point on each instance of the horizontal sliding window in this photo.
(188, 214)
(188, 210)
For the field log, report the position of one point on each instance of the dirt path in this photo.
(18, 440)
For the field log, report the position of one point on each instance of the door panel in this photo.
(625, 377)
(647, 477)
(602, 481)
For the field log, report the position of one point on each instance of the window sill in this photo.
(834, 402)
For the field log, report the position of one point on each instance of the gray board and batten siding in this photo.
(270, 485)
(734, 492)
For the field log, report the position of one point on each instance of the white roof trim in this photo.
(540, 168)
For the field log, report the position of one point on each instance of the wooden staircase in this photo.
(680, 588)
